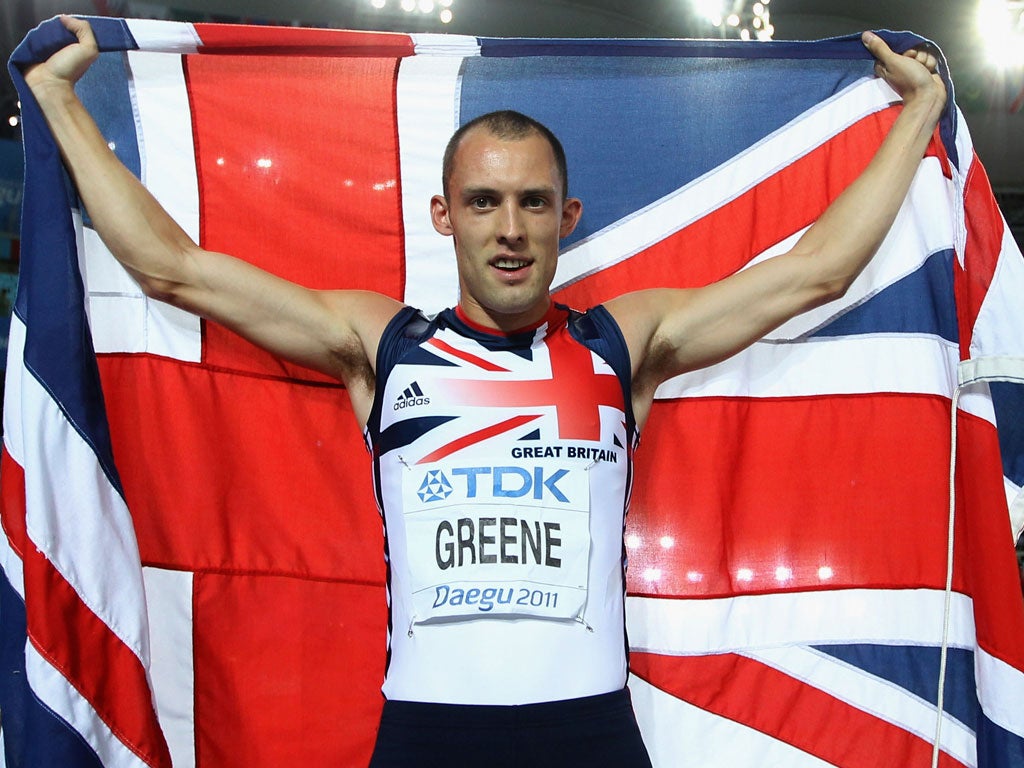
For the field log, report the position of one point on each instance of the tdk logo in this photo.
(495, 482)
(412, 395)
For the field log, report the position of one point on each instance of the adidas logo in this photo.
(412, 395)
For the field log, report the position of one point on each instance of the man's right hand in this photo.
(64, 68)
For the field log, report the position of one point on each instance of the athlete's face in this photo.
(506, 213)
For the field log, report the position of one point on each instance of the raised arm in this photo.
(335, 332)
(673, 331)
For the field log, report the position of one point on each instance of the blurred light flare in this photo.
(1000, 25)
(736, 18)
(443, 8)
(652, 574)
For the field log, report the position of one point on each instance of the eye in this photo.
(481, 202)
(535, 201)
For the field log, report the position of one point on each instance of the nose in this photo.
(510, 223)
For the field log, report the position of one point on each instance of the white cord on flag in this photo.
(947, 606)
(1009, 369)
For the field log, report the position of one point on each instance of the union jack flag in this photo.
(192, 559)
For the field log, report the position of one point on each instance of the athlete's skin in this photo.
(506, 211)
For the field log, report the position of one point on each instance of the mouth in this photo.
(509, 263)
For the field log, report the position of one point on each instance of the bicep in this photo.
(672, 331)
(334, 332)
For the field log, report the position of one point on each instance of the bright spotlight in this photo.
(709, 9)
(446, 16)
(1001, 25)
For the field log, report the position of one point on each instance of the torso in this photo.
(502, 466)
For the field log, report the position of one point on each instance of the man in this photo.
(504, 548)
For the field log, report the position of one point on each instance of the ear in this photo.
(572, 209)
(440, 215)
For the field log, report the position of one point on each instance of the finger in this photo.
(877, 46)
(80, 28)
(923, 57)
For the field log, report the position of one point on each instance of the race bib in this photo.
(497, 540)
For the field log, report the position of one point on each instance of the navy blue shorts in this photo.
(595, 731)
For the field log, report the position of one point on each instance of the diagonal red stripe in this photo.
(99, 666)
(760, 697)
(476, 437)
(479, 362)
(981, 252)
(12, 502)
(714, 246)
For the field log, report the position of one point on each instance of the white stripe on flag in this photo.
(428, 93)
(965, 155)
(169, 599)
(428, 44)
(680, 735)
(997, 330)
(76, 519)
(677, 627)
(55, 692)
(677, 210)
(871, 694)
(1015, 501)
(121, 318)
(826, 366)
(1000, 691)
(14, 568)
(171, 36)
(14, 442)
(14, 435)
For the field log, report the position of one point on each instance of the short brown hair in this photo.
(509, 125)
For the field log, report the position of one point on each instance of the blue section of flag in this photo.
(916, 669)
(661, 104)
(33, 734)
(1008, 400)
(58, 344)
(920, 303)
(998, 747)
(848, 47)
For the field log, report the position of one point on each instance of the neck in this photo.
(488, 320)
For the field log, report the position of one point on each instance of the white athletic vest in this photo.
(502, 468)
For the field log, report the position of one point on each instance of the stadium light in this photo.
(741, 19)
(1000, 24)
(443, 8)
